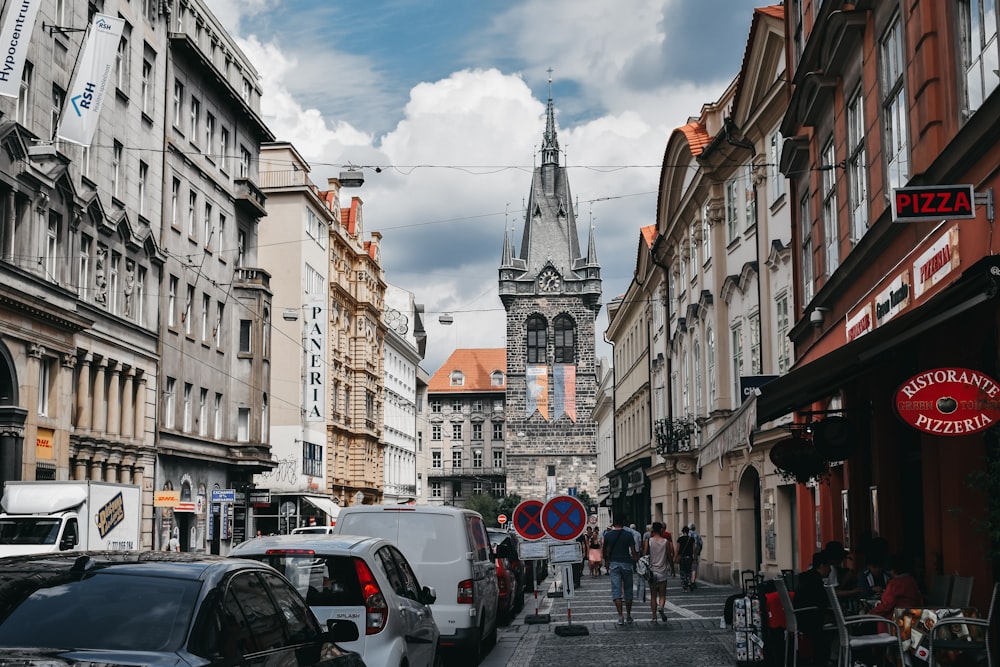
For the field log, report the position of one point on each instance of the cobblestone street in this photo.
(691, 635)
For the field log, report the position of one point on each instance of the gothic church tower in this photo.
(552, 294)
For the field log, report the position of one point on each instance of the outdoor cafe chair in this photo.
(849, 643)
(979, 643)
(961, 591)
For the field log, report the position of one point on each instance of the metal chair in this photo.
(967, 642)
(940, 589)
(961, 591)
(850, 643)
(791, 622)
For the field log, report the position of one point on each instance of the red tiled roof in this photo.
(349, 217)
(777, 11)
(476, 365)
(648, 234)
(697, 136)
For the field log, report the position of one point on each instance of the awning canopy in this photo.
(822, 377)
(331, 509)
(736, 432)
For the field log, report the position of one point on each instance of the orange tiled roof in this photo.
(649, 234)
(349, 217)
(777, 11)
(476, 365)
(697, 136)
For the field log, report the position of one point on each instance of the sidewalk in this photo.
(691, 636)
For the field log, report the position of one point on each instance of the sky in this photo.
(441, 104)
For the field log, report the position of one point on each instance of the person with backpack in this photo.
(696, 536)
(685, 557)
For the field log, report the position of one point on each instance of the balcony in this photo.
(283, 179)
(252, 278)
(676, 436)
(483, 474)
(249, 198)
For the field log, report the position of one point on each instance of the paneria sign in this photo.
(949, 401)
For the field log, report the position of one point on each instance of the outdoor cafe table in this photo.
(915, 626)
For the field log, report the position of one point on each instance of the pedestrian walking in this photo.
(594, 552)
(696, 536)
(660, 552)
(685, 557)
(620, 553)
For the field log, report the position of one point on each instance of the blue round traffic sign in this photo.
(526, 519)
(564, 518)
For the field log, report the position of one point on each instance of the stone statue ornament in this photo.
(100, 279)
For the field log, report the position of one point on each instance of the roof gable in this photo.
(476, 366)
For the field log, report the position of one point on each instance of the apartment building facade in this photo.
(705, 321)
(466, 400)
(889, 95)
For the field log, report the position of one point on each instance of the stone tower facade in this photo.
(552, 294)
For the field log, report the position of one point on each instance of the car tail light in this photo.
(502, 581)
(465, 592)
(376, 608)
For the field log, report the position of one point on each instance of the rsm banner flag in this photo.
(93, 75)
(17, 28)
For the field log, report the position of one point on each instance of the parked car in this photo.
(365, 580)
(313, 530)
(159, 608)
(450, 550)
(510, 573)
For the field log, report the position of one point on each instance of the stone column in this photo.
(128, 406)
(83, 454)
(8, 226)
(114, 399)
(96, 468)
(35, 354)
(100, 403)
(140, 407)
(111, 469)
(84, 408)
(128, 465)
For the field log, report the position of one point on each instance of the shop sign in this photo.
(936, 202)
(949, 401)
(893, 299)
(44, 448)
(166, 498)
(936, 263)
(859, 323)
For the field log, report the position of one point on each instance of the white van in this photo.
(450, 551)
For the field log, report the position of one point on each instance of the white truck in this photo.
(48, 517)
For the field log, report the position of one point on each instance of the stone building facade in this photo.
(552, 293)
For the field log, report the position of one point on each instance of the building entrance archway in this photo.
(748, 520)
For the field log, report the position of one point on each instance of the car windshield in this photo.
(330, 581)
(100, 611)
(29, 531)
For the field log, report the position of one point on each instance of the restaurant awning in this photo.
(735, 432)
(822, 377)
(325, 505)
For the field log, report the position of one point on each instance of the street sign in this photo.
(933, 202)
(564, 518)
(526, 519)
(223, 495)
(565, 552)
(502, 519)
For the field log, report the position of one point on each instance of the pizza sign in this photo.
(949, 401)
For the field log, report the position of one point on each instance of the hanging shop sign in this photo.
(949, 401)
(937, 202)
(936, 263)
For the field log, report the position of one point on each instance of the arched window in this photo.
(565, 340)
(536, 342)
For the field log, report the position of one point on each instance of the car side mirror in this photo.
(428, 595)
(342, 630)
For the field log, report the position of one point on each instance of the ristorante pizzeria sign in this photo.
(949, 401)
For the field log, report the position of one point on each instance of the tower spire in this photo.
(550, 144)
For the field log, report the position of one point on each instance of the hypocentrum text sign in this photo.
(933, 202)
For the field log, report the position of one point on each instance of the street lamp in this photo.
(359, 498)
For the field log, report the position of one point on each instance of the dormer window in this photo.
(496, 379)
(457, 379)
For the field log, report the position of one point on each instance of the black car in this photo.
(159, 608)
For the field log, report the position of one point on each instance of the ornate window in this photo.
(894, 106)
(536, 342)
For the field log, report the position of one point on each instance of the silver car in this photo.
(366, 580)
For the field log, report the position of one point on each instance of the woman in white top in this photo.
(660, 552)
